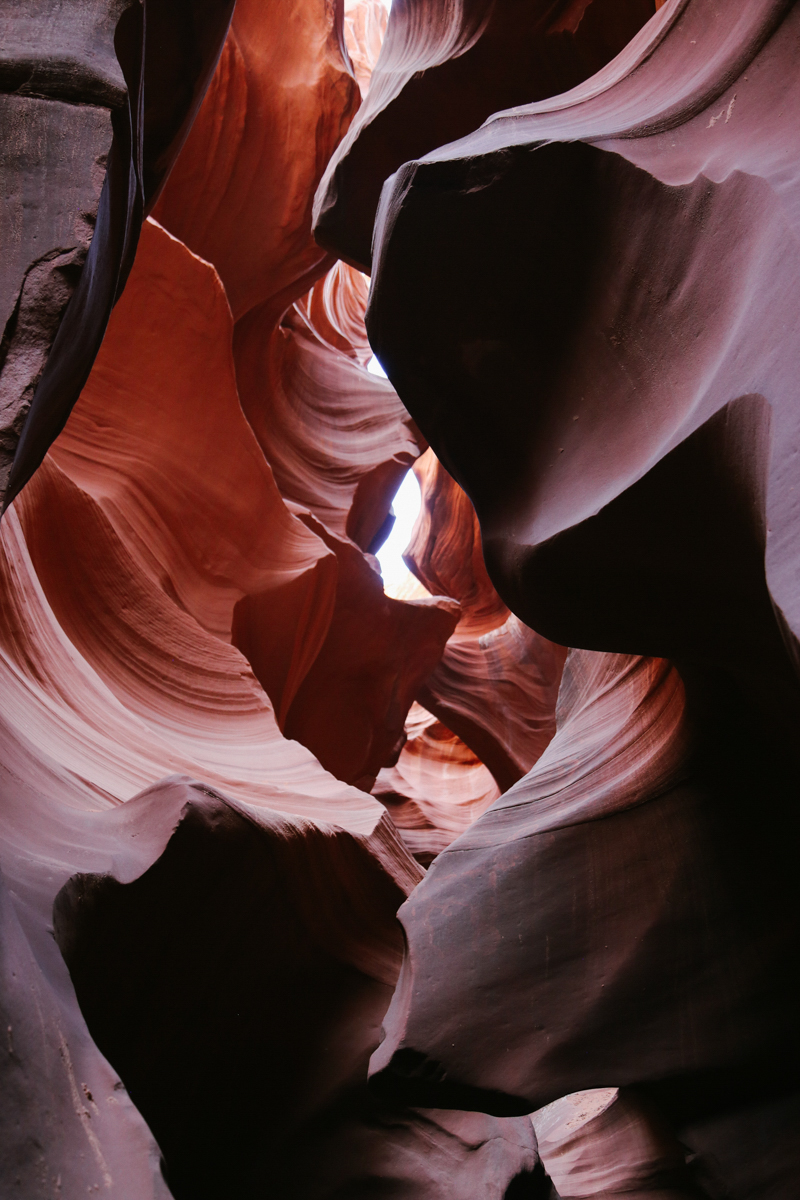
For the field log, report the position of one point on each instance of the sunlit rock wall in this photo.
(566, 745)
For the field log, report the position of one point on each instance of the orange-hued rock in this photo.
(159, 439)
(65, 66)
(335, 309)
(445, 551)
(437, 787)
(169, 490)
(144, 691)
(499, 693)
(284, 854)
(339, 442)
(338, 439)
(224, 903)
(241, 192)
(135, 691)
(364, 30)
(119, 567)
(350, 708)
(497, 682)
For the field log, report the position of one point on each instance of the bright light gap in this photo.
(405, 506)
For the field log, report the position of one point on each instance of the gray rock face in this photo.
(62, 50)
(59, 81)
(52, 165)
(70, 72)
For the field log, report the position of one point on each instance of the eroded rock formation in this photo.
(556, 269)
(140, 72)
(565, 749)
(138, 745)
(444, 68)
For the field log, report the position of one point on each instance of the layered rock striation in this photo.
(578, 303)
(484, 888)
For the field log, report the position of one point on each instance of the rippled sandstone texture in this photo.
(227, 755)
(199, 934)
(444, 68)
(585, 305)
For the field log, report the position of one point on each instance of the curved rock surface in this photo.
(585, 308)
(589, 327)
(150, 64)
(497, 682)
(519, 989)
(578, 303)
(139, 748)
(315, 955)
(608, 1142)
(445, 67)
(338, 439)
(437, 787)
(241, 192)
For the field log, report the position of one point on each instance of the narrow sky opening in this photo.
(405, 505)
(375, 368)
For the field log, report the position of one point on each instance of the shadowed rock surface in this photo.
(542, 301)
(609, 1142)
(228, 752)
(497, 682)
(148, 65)
(122, 563)
(444, 68)
(276, 926)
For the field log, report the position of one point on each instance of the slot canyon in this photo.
(327, 874)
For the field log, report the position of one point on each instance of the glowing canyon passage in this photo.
(327, 874)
